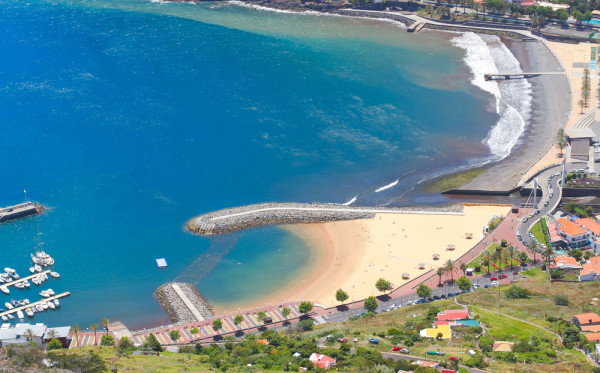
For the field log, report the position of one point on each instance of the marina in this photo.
(20, 280)
(34, 304)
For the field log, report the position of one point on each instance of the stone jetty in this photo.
(238, 218)
(183, 302)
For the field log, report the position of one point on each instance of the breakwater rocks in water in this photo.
(183, 302)
(238, 218)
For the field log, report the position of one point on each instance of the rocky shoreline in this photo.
(178, 311)
(244, 217)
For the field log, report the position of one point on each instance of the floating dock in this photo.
(21, 308)
(20, 210)
(7, 284)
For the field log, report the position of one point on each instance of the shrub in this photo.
(503, 243)
(516, 292)
(306, 324)
(561, 300)
(107, 340)
(54, 344)
(556, 273)
(486, 343)
(152, 343)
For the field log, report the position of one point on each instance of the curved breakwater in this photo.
(244, 217)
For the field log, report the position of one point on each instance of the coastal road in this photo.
(548, 180)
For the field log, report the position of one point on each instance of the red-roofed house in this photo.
(438, 323)
(322, 361)
(573, 234)
(593, 337)
(263, 341)
(590, 225)
(429, 364)
(591, 328)
(565, 262)
(589, 272)
(555, 238)
(453, 315)
(586, 319)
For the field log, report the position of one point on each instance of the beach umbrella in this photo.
(405, 275)
(421, 265)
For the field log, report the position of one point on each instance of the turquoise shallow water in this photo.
(127, 118)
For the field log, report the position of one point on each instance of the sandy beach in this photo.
(353, 255)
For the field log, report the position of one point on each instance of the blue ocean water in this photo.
(127, 118)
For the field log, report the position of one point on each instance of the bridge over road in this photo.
(522, 75)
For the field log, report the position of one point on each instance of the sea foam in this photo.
(488, 54)
(390, 185)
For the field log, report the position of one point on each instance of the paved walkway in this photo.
(187, 302)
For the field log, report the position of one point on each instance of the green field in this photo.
(538, 232)
(505, 262)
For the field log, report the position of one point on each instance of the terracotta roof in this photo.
(564, 260)
(587, 318)
(503, 346)
(595, 259)
(570, 228)
(589, 224)
(588, 268)
(453, 315)
(593, 337)
(591, 328)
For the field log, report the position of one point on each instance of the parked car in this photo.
(454, 358)
(436, 297)
(546, 203)
(430, 299)
(494, 283)
(503, 275)
(487, 286)
(409, 303)
(342, 340)
(439, 353)
(443, 296)
(395, 306)
(396, 348)
(537, 212)
(374, 341)
(472, 353)
(525, 219)
(515, 272)
(494, 278)
(385, 310)
(404, 351)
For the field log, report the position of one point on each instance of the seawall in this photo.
(183, 302)
(238, 218)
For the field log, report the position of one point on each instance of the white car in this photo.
(409, 303)
(494, 283)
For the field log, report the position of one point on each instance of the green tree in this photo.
(261, 315)
(93, 328)
(305, 307)
(371, 304)
(511, 252)
(152, 343)
(341, 296)
(28, 334)
(463, 267)
(516, 292)
(285, 312)
(562, 15)
(423, 291)
(450, 267)
(174, 335)
(194, 330)
(577, 254)
(487, 258)
(532, 246)
(54, 344)
(104, 323)
(464, 283)
(588, 254)
(440, 272)
(51, 333)
(383, 285)
(217, 325)
(126, 346)
(561, 300)
(75, 329)
(237, 320)
(107, 340)
(306, 324)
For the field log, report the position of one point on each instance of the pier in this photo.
(183, 302)
(20, 210)
(21, 308)
(238, 218)
(24, 278)
(508, 76)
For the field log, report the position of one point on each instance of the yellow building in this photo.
(433, 332)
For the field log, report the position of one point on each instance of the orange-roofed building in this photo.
(453, 315)
(586, 319)
(591, 328)
(555, 238)
(573, 234)
(322, 361)
(590, 225)
(263, 341)
(565, 262)
(593, 337)
(590, 272)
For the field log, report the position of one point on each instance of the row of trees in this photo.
(586, 88)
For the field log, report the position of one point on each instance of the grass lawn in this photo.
(453, 181)
(495, 265)
(504, 328)
(538, 231)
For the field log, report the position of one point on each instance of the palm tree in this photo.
(497, 256)
(94, 327)
(548, 252)
(104, 323)
(532, 246)
(75, 329)
(511, 251)
(450, 266)
(440, 272)
(561, 140)
(28, 334)
(488, 257)
(51, 334)
(463, 267)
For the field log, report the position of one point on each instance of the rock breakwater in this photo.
(183, 302)
(238, 218)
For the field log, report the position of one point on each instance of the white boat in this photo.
(32, 269)
(51, 305)
(4, 318)
(36, 260)
(56, 303)
(20, 314)
(16, 276)
(29, 312)
(55, 274)
(37, 267)
(50, 292)
(44, 305)
(8, 306)
(26, 301)
(26, 283)
(39, 307)
(19, 285)
(44, 293)
(8, 270)
(4, 289)
(10, 316)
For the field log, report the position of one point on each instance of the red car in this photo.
(342, 340)
(515, 272)
(454, 358)
(396, 348)
(503, 276)
(494, 278)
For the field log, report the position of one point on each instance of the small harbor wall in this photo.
(176, 307)
(20, 210)
(238, 218)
